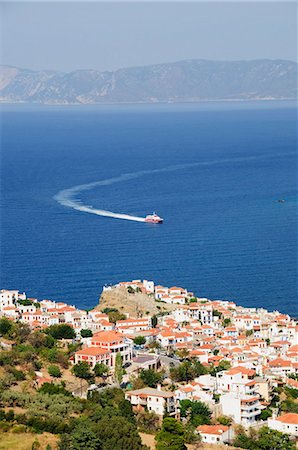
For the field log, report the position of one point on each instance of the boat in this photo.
(153, 218)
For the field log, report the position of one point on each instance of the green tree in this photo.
(82, 370)
(154, 321)
(54, 371)
(294, 376)
(139, 340)
(264, 439)
(150, 377)
(21, 331)
(190, 435)
(223, 365)
(54, 389)
(100, 370)
(226, 322)
(148, 421)
(187, 371)
(117, 433)
(198, 369)
(86, 333)
(289, 405)
(198, 413)
(273, 440)
(118, 369)
(171, 435)
(182, 354)
(81, 438)
(61, 331)
(6, 326)
(115, 315)
(40, 340)
(265, 414)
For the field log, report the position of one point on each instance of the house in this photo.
(281, 367)
(166, 339)
(215, 434)
(133, 325)
(154, 400)
(237, 379)
(94, 355)
(115, 343)
(9, 298)
(286, 423)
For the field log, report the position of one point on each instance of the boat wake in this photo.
(67, 197)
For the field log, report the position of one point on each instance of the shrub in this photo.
(19, 429)
(54, 371)
(225, 420)
(17, 374)
(53, 389)
(4, 427)
(86, 333)
(139, 340)
(61, 331)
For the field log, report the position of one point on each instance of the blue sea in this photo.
(213, 171)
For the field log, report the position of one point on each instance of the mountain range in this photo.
(182, 81)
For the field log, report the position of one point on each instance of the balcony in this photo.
(250, 414)
(248, 406)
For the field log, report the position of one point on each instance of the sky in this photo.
(107, 35)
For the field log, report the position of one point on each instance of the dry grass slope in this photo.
(24, 441)
(134, 304)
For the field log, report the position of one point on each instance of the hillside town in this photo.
(231, 358)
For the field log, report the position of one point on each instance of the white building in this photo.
(9, 298)
(287, 423)
(244, 409)
(154, 400)
(215, 434)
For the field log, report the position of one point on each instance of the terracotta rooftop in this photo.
(93, 351)
(291, 418)
(212, 429)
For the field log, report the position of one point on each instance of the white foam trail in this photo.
(66, 196)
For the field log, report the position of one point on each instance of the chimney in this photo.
(158, 387)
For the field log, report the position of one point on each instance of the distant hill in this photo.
(183, 81)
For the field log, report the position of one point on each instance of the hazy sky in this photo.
(73, 35)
